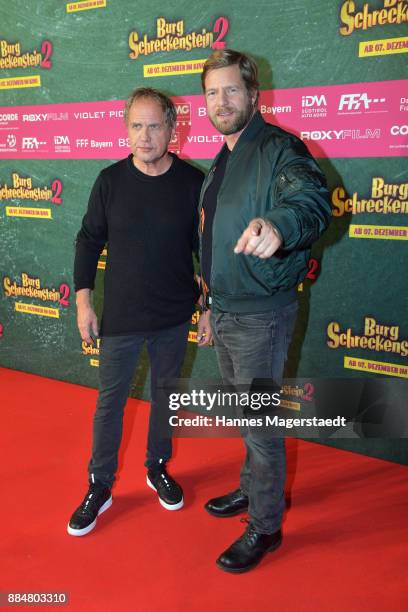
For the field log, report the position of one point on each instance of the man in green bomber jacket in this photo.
(262, 205)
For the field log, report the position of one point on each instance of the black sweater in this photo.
(150, 226)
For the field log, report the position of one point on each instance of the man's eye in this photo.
(210, 94)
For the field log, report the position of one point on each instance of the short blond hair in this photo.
(228, 57)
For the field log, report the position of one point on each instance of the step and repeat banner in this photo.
(333, 72)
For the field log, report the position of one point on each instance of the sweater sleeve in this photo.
(302, 209)
(197, 190)
(91, 238)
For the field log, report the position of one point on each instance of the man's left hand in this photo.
(204, 332)
(260, 238)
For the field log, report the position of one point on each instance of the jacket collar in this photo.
(255, 125)
(252, 129)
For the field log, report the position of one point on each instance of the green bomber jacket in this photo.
(269, 174)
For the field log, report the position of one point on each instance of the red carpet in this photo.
(345, 535)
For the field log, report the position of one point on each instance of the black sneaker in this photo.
(97, 500)
(169, 492)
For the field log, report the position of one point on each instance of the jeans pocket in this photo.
(254, 321)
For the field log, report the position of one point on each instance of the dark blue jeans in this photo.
(255, 346)
(118, 358)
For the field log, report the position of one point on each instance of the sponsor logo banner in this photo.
(350, 120)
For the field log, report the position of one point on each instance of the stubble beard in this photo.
(240, 121)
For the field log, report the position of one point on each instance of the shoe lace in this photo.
(90, 500)
(166, 481)
(250, 531)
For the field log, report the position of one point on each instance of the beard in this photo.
(236, 123)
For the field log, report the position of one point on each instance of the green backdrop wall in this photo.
(80, 52)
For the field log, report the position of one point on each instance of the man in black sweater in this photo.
(144, 208)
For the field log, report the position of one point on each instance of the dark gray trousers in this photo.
(254, 346)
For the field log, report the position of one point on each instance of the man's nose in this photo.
(145, 134)
(222, 97)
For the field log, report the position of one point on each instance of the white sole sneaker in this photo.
(177, 506)
(85, 530)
